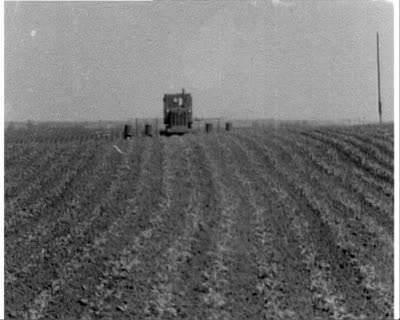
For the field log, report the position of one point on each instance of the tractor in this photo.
(178, 118)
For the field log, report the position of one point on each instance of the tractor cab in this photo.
(178, 112)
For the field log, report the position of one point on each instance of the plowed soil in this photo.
(267, 223)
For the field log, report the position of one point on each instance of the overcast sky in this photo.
(239, 59)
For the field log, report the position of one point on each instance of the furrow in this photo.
(335, 238)
(216, 285)
(70, 276)
(306, 286)
(41, 250)
(383, 147)
(259, 287)
(164, 298)
(25, 210)
(91, 274)
(16, 180)
(365, 149)
(196, 259)
(354, 157)
(368, 204)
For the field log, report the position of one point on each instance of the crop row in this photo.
(114, 229)
(373, 153)
(328, 222)
(292, 223)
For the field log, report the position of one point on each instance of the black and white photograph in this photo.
(200, 160)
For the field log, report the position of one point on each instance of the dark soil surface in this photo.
(288, 223)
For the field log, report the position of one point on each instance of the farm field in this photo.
(285, 223)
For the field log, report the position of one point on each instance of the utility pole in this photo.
(379, 79)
